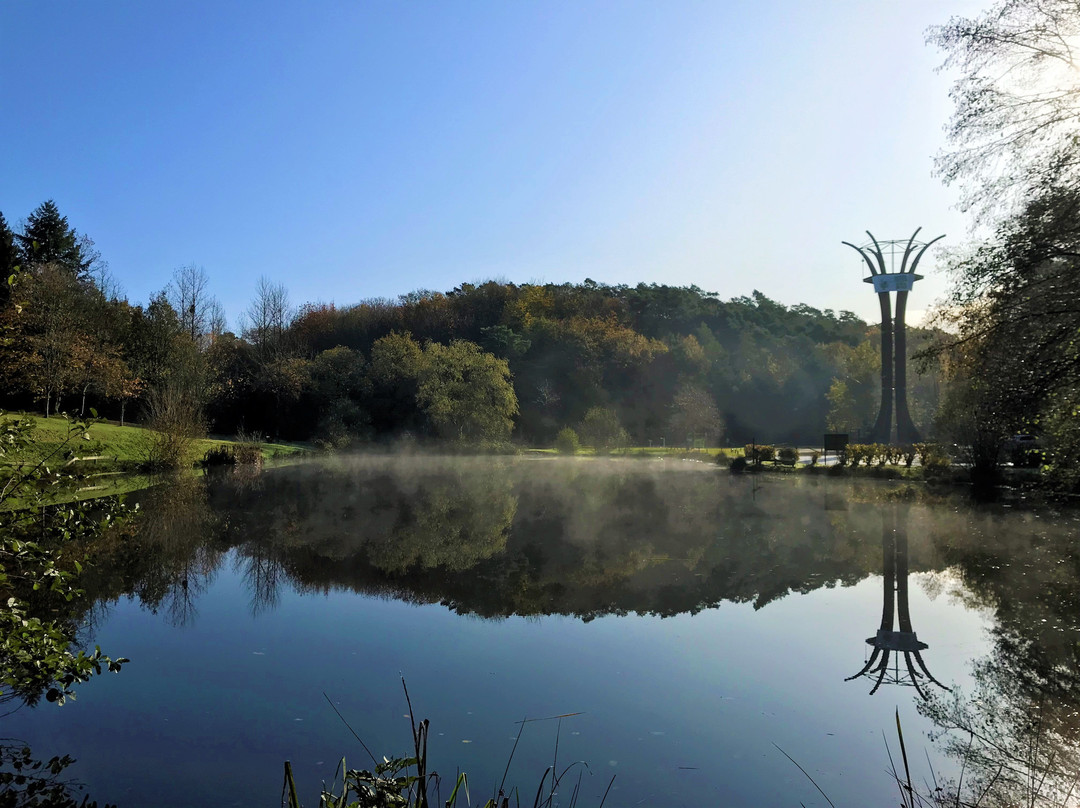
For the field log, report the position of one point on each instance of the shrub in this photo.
(566, 442)
(815, 455)
(789, 455)
(175, 421)
(759, 453)
(907, 453)
(738, 465)
(219, 456)
(932, 456)
(857, 453)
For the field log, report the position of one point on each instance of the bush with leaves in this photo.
(758, 453)
(566, 442)
(37, 657)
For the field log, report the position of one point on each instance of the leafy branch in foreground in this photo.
(36, 653)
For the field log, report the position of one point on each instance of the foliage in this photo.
(600, 429)
(49, 239)
(27, 782)
(466, 393)
(1012, 362)
(566, 442)
(694, 413)
(932, 455)
(36, 654)
(758, 453)
(175, 423)
(668, 362)
(788, 455)
(1016, 96)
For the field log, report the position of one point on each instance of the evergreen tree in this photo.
(9, 256)
(48, 238)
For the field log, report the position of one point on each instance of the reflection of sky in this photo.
(684, 710)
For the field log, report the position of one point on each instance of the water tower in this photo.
(880, 257)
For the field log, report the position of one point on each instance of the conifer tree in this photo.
(48, 238)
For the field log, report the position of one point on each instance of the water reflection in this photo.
(1017, 730)
(887, 641)
(513, 537)
(497, 538)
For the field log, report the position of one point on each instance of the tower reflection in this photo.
(888, 644)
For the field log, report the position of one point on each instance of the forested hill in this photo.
(670, 361)
(483, 362)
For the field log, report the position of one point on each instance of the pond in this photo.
(697, 632)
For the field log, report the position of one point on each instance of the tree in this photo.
(600, 429)
(1017, 101)
(466, 393)
(48, 350)
(393, 374)
(694, 413)
(200, 313)
(267, 319)
(9, 258)
(853, 395)
(1015, 150)
(49, 239)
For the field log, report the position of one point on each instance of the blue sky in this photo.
(370, 148)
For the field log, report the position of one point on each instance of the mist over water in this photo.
(696, 621)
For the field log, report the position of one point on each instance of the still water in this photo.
(699, 627)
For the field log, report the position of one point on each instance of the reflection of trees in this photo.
(27, 781)
(175, 531)
(167, 559)
(1018, 731)
(263, 576)
(496, 537)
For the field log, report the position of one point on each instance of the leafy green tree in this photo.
(466, 393)
(38, 657)
(49, 239)
(853, 394)
(566, 442)
(394, 377)
(600, 429)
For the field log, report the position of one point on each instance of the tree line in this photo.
(488, 362)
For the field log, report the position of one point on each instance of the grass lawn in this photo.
(121, 443)
(106, 461)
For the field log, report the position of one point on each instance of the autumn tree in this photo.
(47, 351)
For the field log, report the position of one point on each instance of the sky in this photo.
(370, 148)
